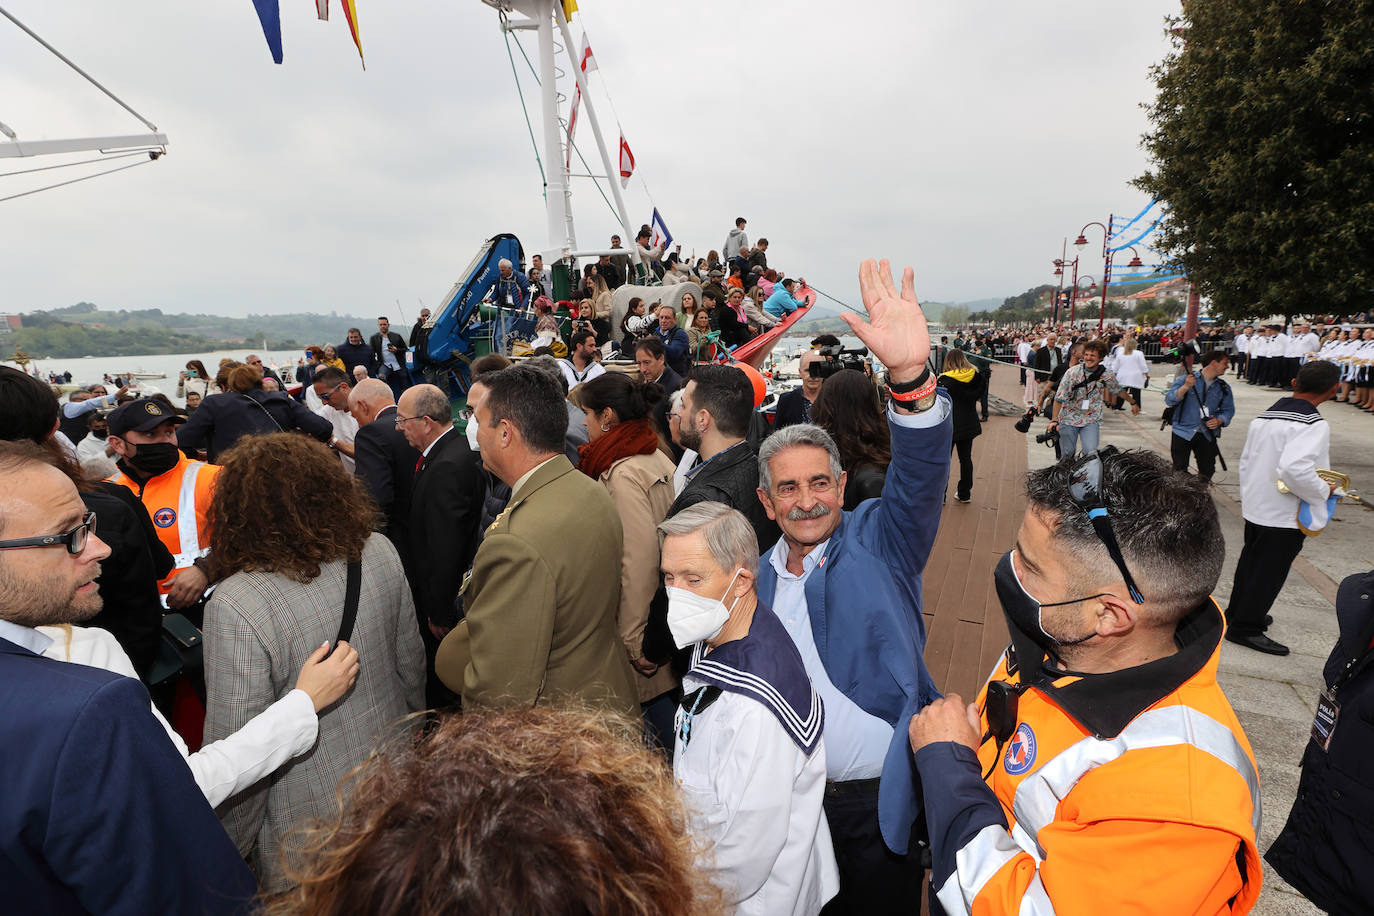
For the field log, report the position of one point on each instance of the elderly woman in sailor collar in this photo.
(749, 754)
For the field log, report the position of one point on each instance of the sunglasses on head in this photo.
(1085, 488)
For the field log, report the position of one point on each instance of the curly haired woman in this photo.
(540, 811)
(286, 520)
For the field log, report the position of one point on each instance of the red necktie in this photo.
(419, 463)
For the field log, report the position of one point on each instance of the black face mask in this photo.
(100, 433)
(153, 458)
(1025, 614)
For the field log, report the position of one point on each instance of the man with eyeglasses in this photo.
(1102, 769)
(332, 388)
(99, 813)
(253, 359)
(445, 512)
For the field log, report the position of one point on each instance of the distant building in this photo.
(1176, 288)
(9, 324)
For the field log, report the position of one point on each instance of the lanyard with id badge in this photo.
(1328, 706)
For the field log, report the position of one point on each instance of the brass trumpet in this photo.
(1342, 482)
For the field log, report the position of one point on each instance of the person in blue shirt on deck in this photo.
(847, 588)
(782, 303)
(674, 339)
(1203, 404)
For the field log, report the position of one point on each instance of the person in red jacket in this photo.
(1102, 769)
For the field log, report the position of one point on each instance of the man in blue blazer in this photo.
(99, 812)
(847, 586)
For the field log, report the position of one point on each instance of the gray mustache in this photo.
(801, 515)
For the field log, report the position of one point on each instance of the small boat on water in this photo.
(143, 373)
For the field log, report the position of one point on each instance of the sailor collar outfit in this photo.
(749, 756)
(1287, 442)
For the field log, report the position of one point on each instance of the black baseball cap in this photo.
(143, 415)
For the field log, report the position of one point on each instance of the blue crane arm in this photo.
(451, 323)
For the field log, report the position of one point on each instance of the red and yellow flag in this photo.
(351, 14)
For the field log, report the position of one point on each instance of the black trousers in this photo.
(1291, 365)
(1255, 369)
(874, 880)
(1264, 562)
(1180, 449)
(965, 449)
(983, 400)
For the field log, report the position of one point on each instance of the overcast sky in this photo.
(964, 137)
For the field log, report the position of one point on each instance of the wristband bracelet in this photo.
(910, 397)
(904, 387)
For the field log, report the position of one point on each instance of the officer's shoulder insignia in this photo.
(500, 518)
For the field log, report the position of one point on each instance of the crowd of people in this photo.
(613, 643)
(741, 297)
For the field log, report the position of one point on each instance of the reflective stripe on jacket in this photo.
(1161, 818)
(179, 504)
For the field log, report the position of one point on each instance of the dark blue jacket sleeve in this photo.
(309, 422)
(958, 803)
(130, 831)
(902, 526)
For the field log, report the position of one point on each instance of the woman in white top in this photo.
(196, 378)
(284, 730)
(1132, 371)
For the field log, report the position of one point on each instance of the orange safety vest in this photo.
(179, 504)
(1154, 820)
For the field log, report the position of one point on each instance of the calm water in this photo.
(92, 369)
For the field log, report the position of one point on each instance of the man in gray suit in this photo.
(545, 586)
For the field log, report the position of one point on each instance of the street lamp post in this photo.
(1073, 295)
(1082, 242)
(1059, 264)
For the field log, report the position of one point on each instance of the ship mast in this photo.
(543, 17)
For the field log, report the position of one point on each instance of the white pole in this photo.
(611, 170)
(556, 177)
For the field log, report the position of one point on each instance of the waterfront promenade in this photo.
(1274, 698)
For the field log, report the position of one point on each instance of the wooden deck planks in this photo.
(965, 630)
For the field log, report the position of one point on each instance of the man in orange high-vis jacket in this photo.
(1102, 769)
(175, 490)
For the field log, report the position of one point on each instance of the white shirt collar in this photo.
(24, 636)
(778, 559)
(428, 448)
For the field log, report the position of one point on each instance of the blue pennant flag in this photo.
(270, 17)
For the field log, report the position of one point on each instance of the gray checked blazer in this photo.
(259, 630)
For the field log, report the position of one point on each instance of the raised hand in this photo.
(895, 331)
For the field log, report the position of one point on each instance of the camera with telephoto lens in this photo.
(1023, 425)
(1048, 438)
(836, 357)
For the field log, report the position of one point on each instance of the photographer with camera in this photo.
(1203, 404)
(795, 406)
(1083, 393)
(816, 365)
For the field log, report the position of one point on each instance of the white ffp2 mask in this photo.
(693, 617)
(472, 433)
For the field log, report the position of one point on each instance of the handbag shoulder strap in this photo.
(264, 410)
(350, 613)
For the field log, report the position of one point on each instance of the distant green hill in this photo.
(82, 329)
